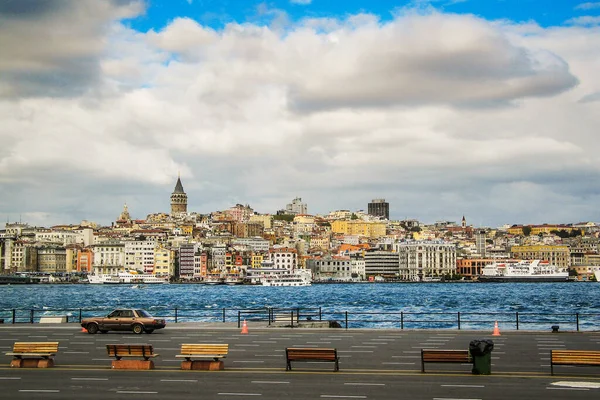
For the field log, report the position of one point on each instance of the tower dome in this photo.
(178, 199)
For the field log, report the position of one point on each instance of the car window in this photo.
(127, 314)
(143, 313)
(114, 314)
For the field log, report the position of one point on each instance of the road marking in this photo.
(566, 388)
(406, 357)
(77, 352)
(398, 363)
(355, 351)
(134, 392)
(366, 347)
(9, 377)
(270, 382)
(264, 341)
(447, 398)
(247, 345)
(363, 384)
(39, 391)
(589, 385)
(179, 380)
(239, 394)
(248, 361)
(465, 386)
(89, 379)
(335, 396)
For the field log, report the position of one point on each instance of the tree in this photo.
(354, 216)
(526, 230)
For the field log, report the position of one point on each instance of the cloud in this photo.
(584, 21)
(441, 114)
(301, 2)
(588, 6)
(53, 48)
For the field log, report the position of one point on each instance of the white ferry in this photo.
(126, 277)
(299, 277)
(597, 274)
(233, 279)
(523, 271)
(213, 279)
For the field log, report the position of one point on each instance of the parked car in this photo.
(124, 319)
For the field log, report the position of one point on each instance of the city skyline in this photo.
(443, 108)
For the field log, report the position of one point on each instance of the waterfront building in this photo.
(357, 266)
(471, 267)
(109, 257)
(283, 258)
(556, 255)
(426, 260)
(382, 264)
(296, 207)
(178, 199)
(186, 256)
(139, 255)
(480, 243)
(52, 259)
(164, 261)
(379, 208)
(85, 260)
(331, 268)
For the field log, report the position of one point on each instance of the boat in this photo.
(298, 277)
(233, 279)
(213, 279)
(523, 271)
(597, 275)
(126, 277)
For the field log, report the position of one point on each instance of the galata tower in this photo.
(178, 199)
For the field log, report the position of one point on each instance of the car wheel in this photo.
(92, 328)
(103, 331)
(148, 331)
(138, 329)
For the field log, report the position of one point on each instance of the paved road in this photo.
(375, 364)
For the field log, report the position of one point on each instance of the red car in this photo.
(124, 319)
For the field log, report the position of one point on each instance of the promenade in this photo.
(374, 364)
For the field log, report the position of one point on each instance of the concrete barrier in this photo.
(57, 319)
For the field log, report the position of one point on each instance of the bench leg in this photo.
(288, 366)
(32, 363)
(337, 366)
(133, 364)
(203, 365)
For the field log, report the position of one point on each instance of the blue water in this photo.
(367, 304)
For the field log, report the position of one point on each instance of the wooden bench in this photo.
(209, 355)
(144, 351)
(574, 357)
(444, 356)
(311, 354)
(33, 354)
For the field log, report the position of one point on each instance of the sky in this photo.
(484, 108)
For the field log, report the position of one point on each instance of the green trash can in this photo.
(481, 352)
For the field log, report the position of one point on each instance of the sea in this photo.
(525, 306)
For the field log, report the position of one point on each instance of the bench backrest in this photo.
(445, 355)
(141, 350)
(204, 349)
(575, 357)
(36, 347)
(301, 353)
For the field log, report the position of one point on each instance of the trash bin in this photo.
(481, 352)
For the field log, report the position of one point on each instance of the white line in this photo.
(179, 380)
(363, 384)
(8, 378)
(334, 396)
(239, 394)
(355, 351)
(134, 392)
(270, 382)
(77, 352)
(565, 388)
(89, 379)
(39, 391)
(248, 361)
(466, 386)
(397, 363)
(447, 398)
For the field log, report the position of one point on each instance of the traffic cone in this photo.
(84, 330)
(244, 327)
(496, 330)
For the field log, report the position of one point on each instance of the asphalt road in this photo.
(375, 364)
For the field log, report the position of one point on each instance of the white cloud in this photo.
(301, 2)
(441, 114)
(585, 21)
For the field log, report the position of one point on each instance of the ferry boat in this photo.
(597, 275)
(233, 279)
(523, 271)
(297, 278)
(126, 277)
(213, 280)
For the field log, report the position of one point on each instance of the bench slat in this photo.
(444, 356)
(574, 357)
(130, 350)
(203, 350)
(34, 349)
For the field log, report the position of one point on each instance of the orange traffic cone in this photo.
(84, 330)
(244, 327)
(496, 330)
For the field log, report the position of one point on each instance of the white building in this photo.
(109, 257)
(254, 243)
(332, 268)
(427, 259)
(283, 258)
(296, 207)
(139, 255)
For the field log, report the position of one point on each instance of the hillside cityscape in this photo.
(343, 246)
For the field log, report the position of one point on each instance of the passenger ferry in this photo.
(126, 277)
(299, 277)
(523, 271)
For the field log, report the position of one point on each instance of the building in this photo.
(379, 208)
(52, 259)
(178, 199)
(331, 268)
(382, 264)
(480, 243)
(139, 255)
(109, 257)
(556, 255)
(471, 267)
(186, 261)
(296, 207)
(426, 260)
(370, 229)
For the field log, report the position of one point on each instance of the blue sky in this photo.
(216, 13)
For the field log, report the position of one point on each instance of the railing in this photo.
(346, 319)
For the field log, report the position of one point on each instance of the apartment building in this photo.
(556, 255)
(424, 260)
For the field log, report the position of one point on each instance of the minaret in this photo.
(464, 222)
(178, 199)
(125, 214)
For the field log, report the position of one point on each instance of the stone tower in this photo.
(178, 199)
